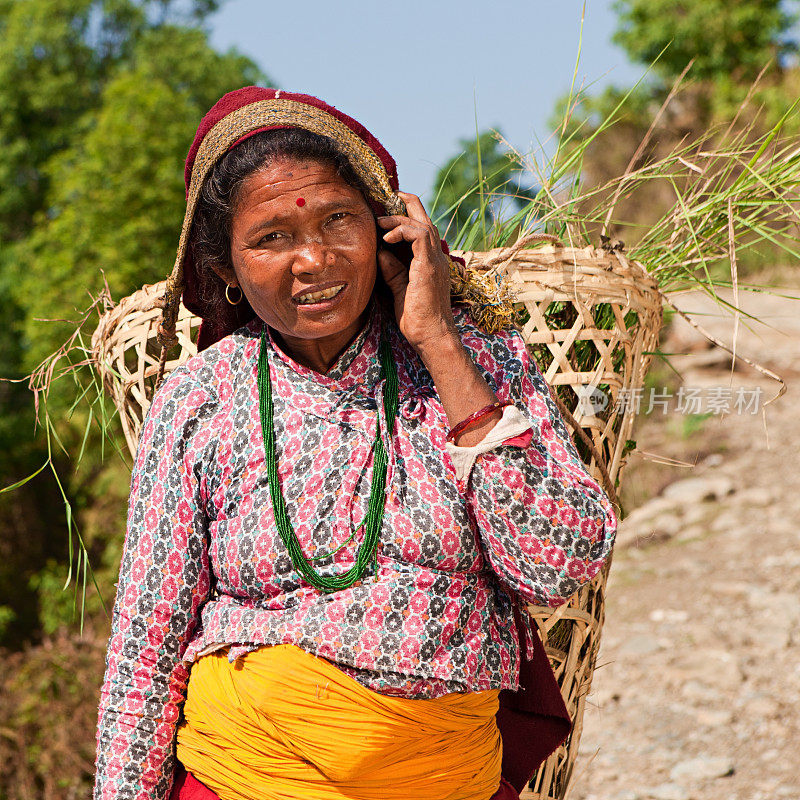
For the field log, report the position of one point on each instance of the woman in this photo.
(339, 506)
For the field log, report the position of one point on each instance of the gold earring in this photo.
(228, 297)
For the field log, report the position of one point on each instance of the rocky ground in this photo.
(697, 692)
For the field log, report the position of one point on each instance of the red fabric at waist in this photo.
(187, 787)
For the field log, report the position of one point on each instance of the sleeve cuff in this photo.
(512, 428)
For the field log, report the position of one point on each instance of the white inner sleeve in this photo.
(511, 424)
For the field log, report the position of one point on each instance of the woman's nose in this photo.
(311, 257)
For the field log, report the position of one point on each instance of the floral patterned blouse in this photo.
(203, 566)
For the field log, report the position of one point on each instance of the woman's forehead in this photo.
(294, 184)
(293, 179)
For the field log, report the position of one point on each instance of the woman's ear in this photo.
(226, 274)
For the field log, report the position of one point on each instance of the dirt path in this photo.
(697, 694)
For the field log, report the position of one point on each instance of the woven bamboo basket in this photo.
(591, 319)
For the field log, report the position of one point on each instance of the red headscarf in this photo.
(252, 94)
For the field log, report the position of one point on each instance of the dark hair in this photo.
(210, 240)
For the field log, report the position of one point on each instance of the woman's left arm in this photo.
(545, 524)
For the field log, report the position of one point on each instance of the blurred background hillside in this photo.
(99, 100)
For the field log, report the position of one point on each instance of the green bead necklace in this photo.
(368, 549)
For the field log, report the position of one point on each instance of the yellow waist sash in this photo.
(282, 724)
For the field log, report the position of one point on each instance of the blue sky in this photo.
(417, 73)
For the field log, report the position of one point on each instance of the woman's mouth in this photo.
(311, 298)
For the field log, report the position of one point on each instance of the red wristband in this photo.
(473, 418)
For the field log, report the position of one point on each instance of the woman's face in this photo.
(303, 248)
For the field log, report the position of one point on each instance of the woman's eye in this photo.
(338, 215)
(269, 237)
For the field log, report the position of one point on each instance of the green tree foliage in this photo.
(48, 76)
(26, 520)
(100, 100)
(475, 182)
(728, 39)
(117, 198)
(728, 45)
(55, 57)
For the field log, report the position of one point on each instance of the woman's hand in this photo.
(422, 307)
(421, 291)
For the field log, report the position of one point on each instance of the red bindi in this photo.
(300, 201)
